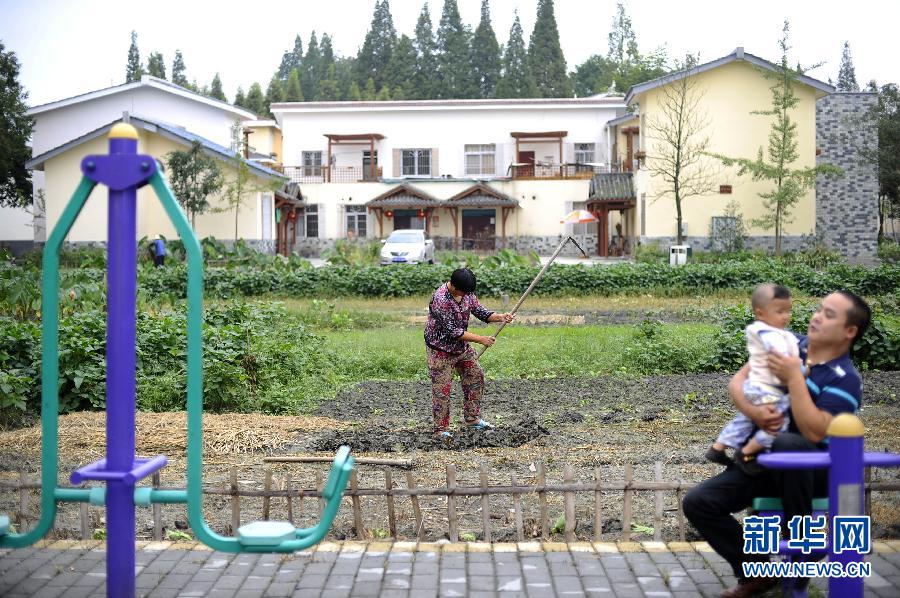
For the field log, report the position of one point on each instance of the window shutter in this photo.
(396, 163)
(435, 168)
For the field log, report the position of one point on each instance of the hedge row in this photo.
(560, 279)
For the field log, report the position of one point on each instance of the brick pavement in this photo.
(401, 569)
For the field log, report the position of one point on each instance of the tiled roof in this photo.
(404, 195)
(482, 195)
(612, 185)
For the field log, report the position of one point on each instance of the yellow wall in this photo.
(731, 92)
(63, 174)
(266, 140)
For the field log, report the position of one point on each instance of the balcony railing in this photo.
(559, 171)
(331, 174)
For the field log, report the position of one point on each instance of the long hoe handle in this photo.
(528, 291)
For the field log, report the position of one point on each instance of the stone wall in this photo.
(762, 242)
(847, 207)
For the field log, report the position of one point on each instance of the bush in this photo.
(889, 251)
(649, 253)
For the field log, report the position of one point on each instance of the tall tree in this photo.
(679, 143)
(789, 184)
(384, 94)
(368, 92)
(274, 94)
(312, 68)
(516, 80)
(378, 45)
(194, 177)
(15, 131)
(545, 56)
(622, 40)
(215, 89)
(327, 51)
(293, 92)
(343, 71)
(353, 93)
(486, 54)
(239, 99)
(291, 59)
(402, 68)
(328, 87)
(156, 66)
(847, 74)
(424, 80)
(256, 101)
(454, 67)
(133, 70)
(178, 76)
(597, 74)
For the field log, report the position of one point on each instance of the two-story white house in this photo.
(168, 118)
(477, 174)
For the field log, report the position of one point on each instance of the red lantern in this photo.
(389, 214)
(421, 213)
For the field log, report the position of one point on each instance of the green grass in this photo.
(520, 352)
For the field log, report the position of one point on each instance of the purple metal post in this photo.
(120, 379)
(845, 494)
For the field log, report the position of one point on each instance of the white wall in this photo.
(448, 130)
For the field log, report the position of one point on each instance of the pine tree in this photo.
(454, 66)
(156, 66)
(328, 87)
(622, 40)
(291, 59)
(312, 68)
(133, 70)
(378, 45)
(516, 80)
(368, 93)
(215, 89)
(486, 54)
(15, 131)
(425, 80)
(256, 102)
(384, 94)
(353, 93)
(239, 99)
(293, 93)
(327, 52)
(398, 93)
(545, 55)
(402, 68)
(274, 94)
(343, 70)
(847, 74)
(178, 77)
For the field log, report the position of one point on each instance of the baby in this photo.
(771, 305)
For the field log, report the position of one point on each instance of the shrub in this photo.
(889, 251)
(649, 253)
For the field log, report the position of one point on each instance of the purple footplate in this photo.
(141, 468)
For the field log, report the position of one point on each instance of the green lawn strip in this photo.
(520, 352)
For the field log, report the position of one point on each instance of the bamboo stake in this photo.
(569, 502)
(357, 509)
(23, 501)
(157, 510)
(288, 483)
(517, 508)
(657, 503)
(266, 502)
(319, 486)
(868, 493)
(598, 505)
(235, 502)
(452, 521)
(392, 519)
(679, 513)
(485, 503)
(542, 501)
(406, 463)
(626, 509)
(417, 512)
(86, 522)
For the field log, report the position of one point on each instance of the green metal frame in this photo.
(50, 493)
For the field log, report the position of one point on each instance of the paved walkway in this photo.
(402, 569)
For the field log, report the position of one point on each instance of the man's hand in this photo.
(785, 367)
(487, 341)
(768, 418)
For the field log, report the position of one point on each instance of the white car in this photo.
(407, 246)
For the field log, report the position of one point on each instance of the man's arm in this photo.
(765, 416)
(811, 421)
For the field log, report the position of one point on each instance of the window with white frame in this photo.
(356, 221)
(312, 163)
(415, 162)
(584, 153)
(310, 222)
(480, 158)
